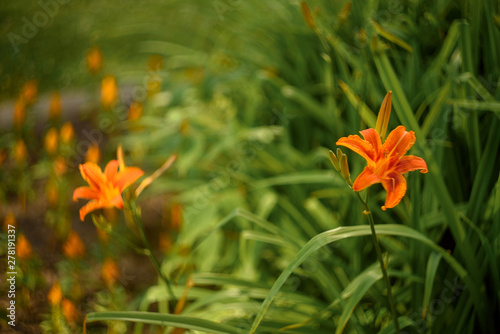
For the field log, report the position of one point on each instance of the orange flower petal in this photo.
(398, 142)
(85, 193)
(358, 145)
(93, 175)
(372, 136)
(409, 163)
(91, 206)
(117, 201)
(111, 170)
(395, 185)
(126, 177)
(365, 179)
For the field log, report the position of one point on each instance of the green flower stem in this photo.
(103, 225)
(380, 259)
(118, 237)
(156, 264)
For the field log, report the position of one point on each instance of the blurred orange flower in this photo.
(30, 91)
(109, 91)
(105, 188)
(51, 141)
(386, 162)
(135, 111)
(52, 193)
(69, 311)
(10, 219)
(24, 250)
(20, 152)
(93, 154)
(55, 107)
(94, 60)
(73, 248)
(60, 165)
(55, 294)
(67, 133)
(110, 272)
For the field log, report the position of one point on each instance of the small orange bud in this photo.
(51, 141)
(10, 219)
(67, 133)
(30, 91)
(109, 92)
(55, 108)
(52, 193)
(19, 113)
(24, 250)
(110, 272)
(93, 154)
(135, 111)
(73, 248)
(55, 294)
(69, 311)
(384, 115)
(94, 60)
(20, 152)
(60, 166)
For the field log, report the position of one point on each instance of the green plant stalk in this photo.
(392, 302)
(127, 243)
(149, 253)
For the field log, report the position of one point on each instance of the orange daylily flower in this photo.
(110, 272)
(73, 248)
(386, 162)
(55, 294)
(105, 188)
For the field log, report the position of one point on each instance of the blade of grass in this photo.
(432, 266)
(162, 320)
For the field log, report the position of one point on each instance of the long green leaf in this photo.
(355, 291)
(432, 266)
(164, 320)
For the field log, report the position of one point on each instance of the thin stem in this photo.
(156, 264)
(105, 226)
(392, 303)
(118, 237)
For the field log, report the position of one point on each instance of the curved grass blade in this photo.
(432, 265)
(162, 319)
(344, 232)
(355, 291)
